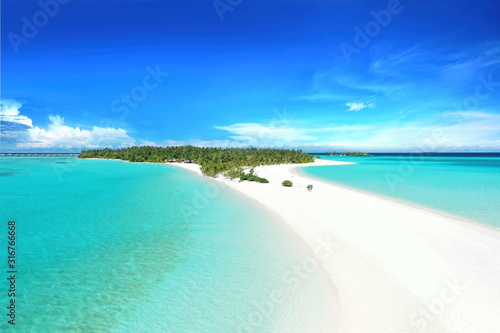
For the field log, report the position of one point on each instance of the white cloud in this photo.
(261, 133)
(480, 56)
(387, 61)
(9, 112)
(449, 131)
(358, 106)
(322, 97)
(470, 114)
(148, 143)
(57, 135)
(461, 131)
(453, 131)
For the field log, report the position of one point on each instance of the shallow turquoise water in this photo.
(464, 186)
(111, 246)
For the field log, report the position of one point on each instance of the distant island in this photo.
(213, 161)
(347, 154)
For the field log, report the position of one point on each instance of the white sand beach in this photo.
(397, 268)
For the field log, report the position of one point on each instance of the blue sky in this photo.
(316, 75)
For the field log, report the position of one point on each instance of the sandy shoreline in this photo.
(397, 268)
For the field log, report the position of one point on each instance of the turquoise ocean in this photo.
(463, 185)
(109, 246)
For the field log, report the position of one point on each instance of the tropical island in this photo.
(388, 240)
(347, 154)
(213, 161)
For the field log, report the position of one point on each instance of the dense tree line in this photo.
(213, 161)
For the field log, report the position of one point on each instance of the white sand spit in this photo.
(397, 268)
